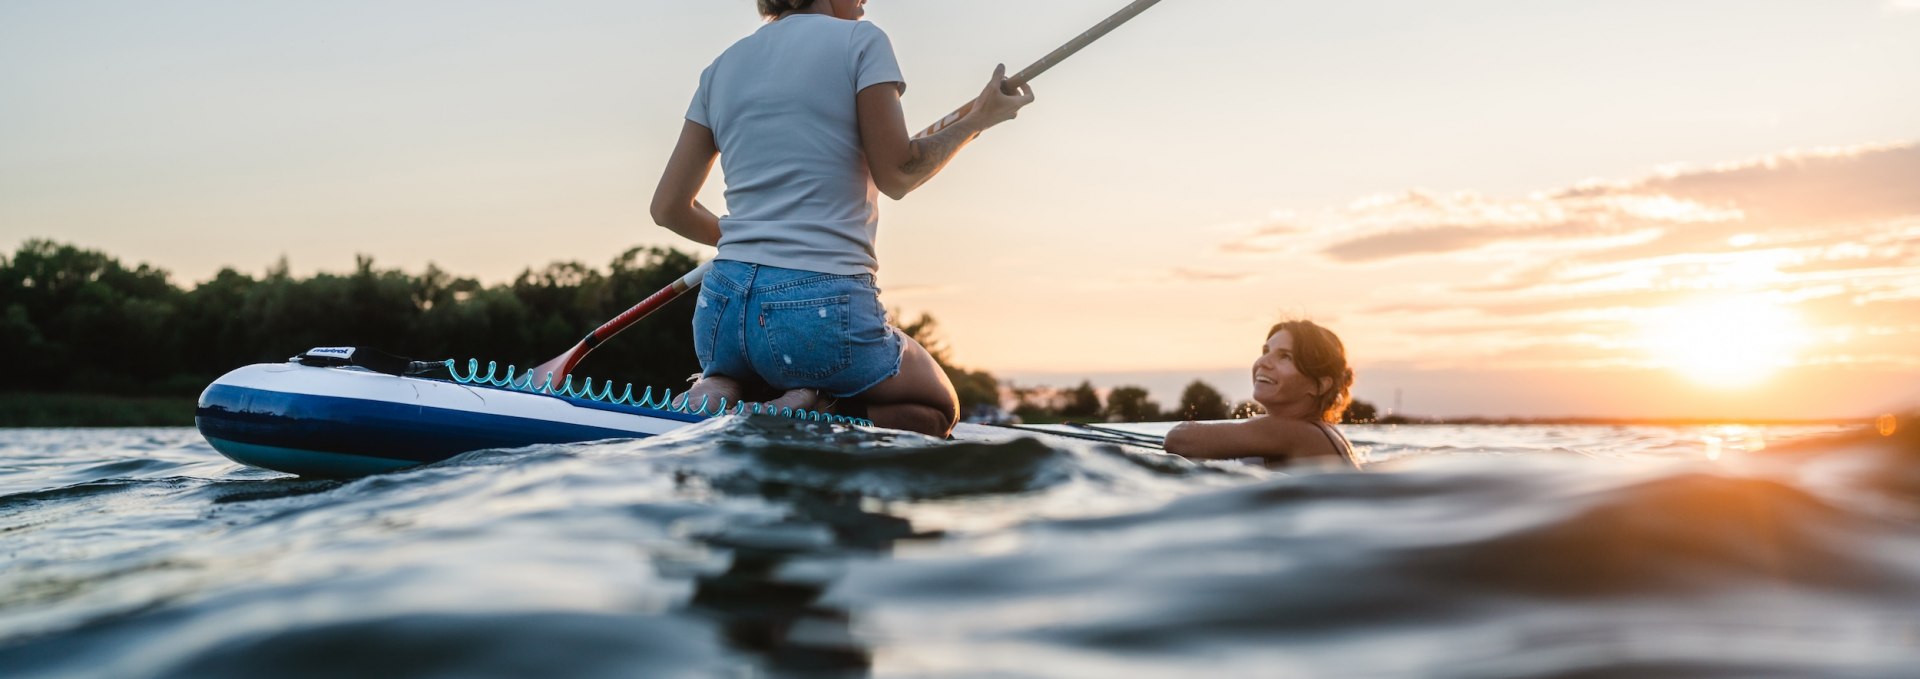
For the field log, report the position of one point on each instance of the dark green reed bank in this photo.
(100, 343)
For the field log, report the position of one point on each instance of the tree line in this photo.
(1133, 403)
(79, 321)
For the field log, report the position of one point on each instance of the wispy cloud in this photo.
(1782, 197)
(1190, 275)
(1280, 233)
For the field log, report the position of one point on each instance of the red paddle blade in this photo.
(553, 374)
(558, 368)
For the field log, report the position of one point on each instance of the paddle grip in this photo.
(1080, 42)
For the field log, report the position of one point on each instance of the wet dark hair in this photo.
(773, 8)
(1318, 353)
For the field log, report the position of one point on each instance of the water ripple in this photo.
(765, 547)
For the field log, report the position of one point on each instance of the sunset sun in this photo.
(1725, 342)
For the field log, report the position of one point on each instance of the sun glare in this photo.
(1725, 342)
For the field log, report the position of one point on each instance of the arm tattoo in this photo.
(932, 152)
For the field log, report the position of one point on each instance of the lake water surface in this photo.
(752, 547)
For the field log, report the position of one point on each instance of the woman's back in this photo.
(782, 107)
(805, 117)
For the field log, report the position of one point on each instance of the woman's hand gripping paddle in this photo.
(1019, 80)
(555, 372)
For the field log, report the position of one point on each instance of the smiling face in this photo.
(1278, 383)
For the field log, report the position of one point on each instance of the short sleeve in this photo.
(873, 60)
(697, 111)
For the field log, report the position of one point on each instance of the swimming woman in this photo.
(804, 116)
(1303, 380)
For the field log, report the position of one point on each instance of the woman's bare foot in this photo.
(710, 393)
(798, 399)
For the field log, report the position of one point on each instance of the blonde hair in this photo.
(773, 8)
(1317, 354)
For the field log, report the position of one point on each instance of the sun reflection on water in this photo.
(1733, 438)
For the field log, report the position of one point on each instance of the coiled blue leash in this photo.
(514, 380)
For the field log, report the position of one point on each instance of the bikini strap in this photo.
(1336, 438)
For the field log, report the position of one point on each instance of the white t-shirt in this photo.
(781, 106)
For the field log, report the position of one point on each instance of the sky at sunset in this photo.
(1668, 208)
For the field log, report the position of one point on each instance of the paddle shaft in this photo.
(564, 364)
(647, 306)
(1052, 59)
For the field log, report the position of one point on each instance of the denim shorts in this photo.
(794, 329)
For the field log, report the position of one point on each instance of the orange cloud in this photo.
(1790, 197)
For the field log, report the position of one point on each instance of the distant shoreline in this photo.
(61, 410)
(1624, 421)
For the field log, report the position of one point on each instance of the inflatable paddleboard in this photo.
(322, 414)
(326, 413)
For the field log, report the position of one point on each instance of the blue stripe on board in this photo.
(305, 462)
(377, 429)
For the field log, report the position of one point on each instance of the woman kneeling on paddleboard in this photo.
(805, 118)
(1303, 380)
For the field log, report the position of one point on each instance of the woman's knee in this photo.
(912, 417)
(939, 392)
(921, 381)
